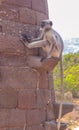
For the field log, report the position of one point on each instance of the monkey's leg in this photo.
(37, 44)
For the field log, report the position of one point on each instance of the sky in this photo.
(65, 17)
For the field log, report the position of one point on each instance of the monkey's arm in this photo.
(37, 44)
(37, 39)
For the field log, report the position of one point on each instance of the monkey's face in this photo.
(46, 24)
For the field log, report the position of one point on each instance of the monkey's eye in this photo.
(42, 24)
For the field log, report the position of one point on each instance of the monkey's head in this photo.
(46, 24)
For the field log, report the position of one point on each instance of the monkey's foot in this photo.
(49, 58)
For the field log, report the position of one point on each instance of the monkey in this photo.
(48, 40)
(51, 42)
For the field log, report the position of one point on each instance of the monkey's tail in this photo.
(62, 94)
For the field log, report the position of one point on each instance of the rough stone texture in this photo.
(14, 128)
(50, 114)
(36, 127)
(26, 94)
(32, 117)
(17, 78)
(8, 98)
(43, 97)
(24, 3)
(19, 84)
(27, 99)
(27, 16)
(12, 118)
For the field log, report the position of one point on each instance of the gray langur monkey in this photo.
(49, 40)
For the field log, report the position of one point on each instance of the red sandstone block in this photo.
(17, 118)
(43, 80)
(18, 128)
(8, 98)
(26, 3)
(38, 5)
(50, 112)
(27, 16)
(3, 128)
(11, 28)
(9, 13)
(18, 77)
(36, 127)
(27, 99)
(35, 117)
(10, 60)
(4, 117)
(43, 97)
(12, 118)
(53, 95)
(50, 80)
(46, 7)
(11, 45)
(40, 17)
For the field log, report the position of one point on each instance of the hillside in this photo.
(71, 45)
(71, 73)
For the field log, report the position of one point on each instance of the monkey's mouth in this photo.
(47, 29)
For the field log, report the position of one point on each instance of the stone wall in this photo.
(26, 96)
(18, 16)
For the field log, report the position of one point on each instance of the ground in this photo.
(73, 118)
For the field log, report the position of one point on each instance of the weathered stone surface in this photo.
(14, 128)
(12, 118)
(36, 127)
(9, 13)
(50, 112)
(36, 117)
(41, 7)
(8, 98)
(26, 3)
(46, 7)
(27, 99)
(12, 60)
(2, 128)
(18, 77)
(10, 45)
(27, 16)
(25, 95)
(43, 97)
(43, 80)
(4, 117)
(15, 28)
(17, 118)
(40, 17)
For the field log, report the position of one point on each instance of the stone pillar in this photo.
(26, 96)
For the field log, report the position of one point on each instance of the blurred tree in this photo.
(71, 73)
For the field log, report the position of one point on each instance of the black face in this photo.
(43, 24)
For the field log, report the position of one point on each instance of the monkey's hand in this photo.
(24, 38)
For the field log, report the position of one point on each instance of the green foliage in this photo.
(71, 73)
